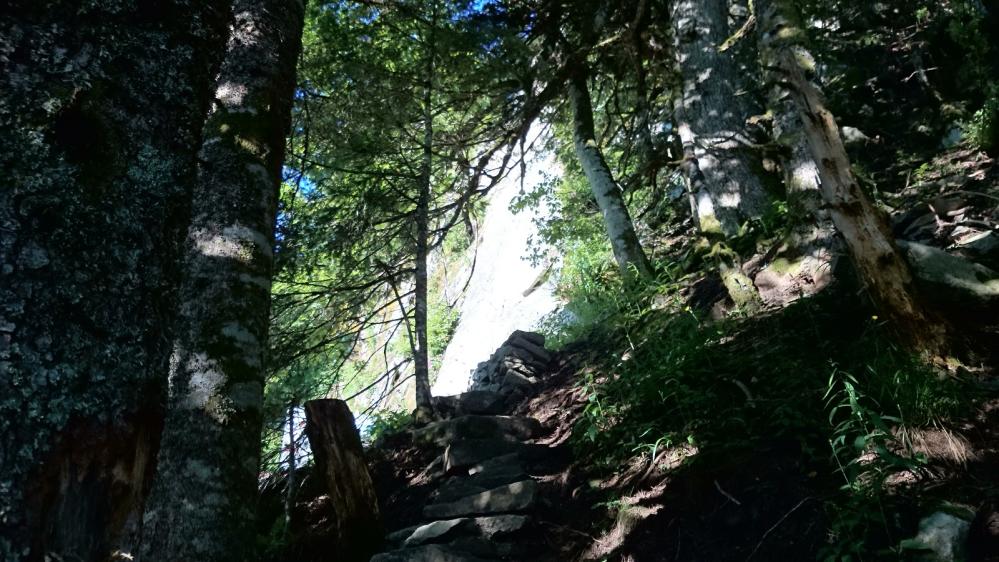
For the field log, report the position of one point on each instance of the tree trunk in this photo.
(711, 112)
(289, 496)
(879, 264)
(101, 106)
(627, 249)
(421, 358)
(202, 503)
(804, 263)
(336, 446)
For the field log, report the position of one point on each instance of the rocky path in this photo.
(486, 498)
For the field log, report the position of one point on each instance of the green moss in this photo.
(709, 224)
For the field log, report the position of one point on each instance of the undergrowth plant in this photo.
(660, 376)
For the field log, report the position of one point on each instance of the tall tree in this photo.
(421, 357)
(711, 110)
(811, 247)
(201, 505)
(101, 107)
(617, 220)
(571, 37)
(865, 229)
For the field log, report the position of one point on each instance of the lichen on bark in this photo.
(711, 111)
(100, 103)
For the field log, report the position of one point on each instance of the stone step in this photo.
(478, 402)
(429, 553)
(490, 527)
(490, 474)
(396, 538)
(507, 428)
(533, 337)
(510, 498)
(538, 351)
(467, 453)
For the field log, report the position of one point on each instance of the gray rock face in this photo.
(519, 496)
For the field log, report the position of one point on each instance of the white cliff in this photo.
(504, 293)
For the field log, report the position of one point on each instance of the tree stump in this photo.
(339, 457)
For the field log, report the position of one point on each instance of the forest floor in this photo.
(760, 500)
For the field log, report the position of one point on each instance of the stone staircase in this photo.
(486, 497)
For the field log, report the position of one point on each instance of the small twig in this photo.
(777, 524)
(726, 494)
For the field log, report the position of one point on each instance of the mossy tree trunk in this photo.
(101, 107)
(202, 503)
(628, 252)
(710, 114)
(804, 263)
(865, 229)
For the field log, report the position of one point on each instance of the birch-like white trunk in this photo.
(628, 253)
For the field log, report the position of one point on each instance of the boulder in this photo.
(517, 379)
(481, 402)
(519, 496)
(983, 536)
(396, 538)
(953, 280)
(538, 352)
(532, 337)
(492, 473)
(941, 538)
(982, 246)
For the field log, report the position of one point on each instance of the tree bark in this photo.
(336, 446)
(201, 505)
(421, 357)
(101, 106)
(624, 241)
(292, 483)
(804, 264)
(879, 264)
(711, 112)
